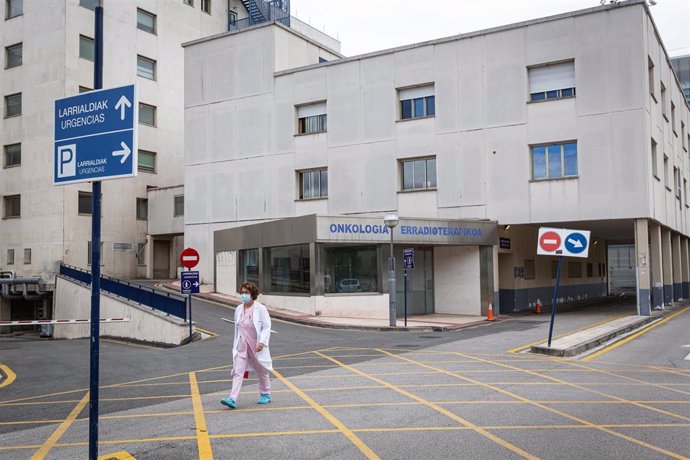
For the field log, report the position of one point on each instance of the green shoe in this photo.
(264, 399)
(229, 402)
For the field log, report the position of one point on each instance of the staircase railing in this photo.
(261, 11)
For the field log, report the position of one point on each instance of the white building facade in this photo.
(573, 121)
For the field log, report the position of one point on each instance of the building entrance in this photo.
(621, 268)
(420, 282)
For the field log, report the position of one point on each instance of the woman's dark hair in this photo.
(251, 287)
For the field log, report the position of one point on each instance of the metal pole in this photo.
(405, 296)
(95, 255)
(189, 296)
(555, 297)
(391, 287)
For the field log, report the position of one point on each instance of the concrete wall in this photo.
(73, 301)
(374, 306)
(226, 273)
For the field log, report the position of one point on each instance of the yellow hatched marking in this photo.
(437, 408)
(120, 455)
(207, 332)
(202, 440)
(57, 434)
(550, 409)
(634, 336)
(354, 439)
(9, 376)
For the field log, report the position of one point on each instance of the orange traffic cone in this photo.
(537, 309)
(490, 316)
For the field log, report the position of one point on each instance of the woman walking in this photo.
(250, 348)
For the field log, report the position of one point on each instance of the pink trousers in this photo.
(240, 365)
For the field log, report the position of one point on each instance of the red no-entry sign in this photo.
(189, 258)
(550, 241)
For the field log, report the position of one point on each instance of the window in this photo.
(417, 102)
(147, 114)
(146, 21)
(287, 269)
(350, 269)
(553, 81)
(146, 161)
(667, 179)
(142, 209)
(554, 269)
(89, 4)
(590, 270)
(553, 161)
(663, 101)
(13, 155)
(232, 18)
(313, 184)
(85, 205)
(87, 48)
(673, 118)
(206, 6)
(682, 135)
(311, 118)
(179, 206)
(419, 174)
(27, 256)
(84, 89)
(10, 257)
(13, 56)
(13, 8)
(249, 266)
(677, 183)
(146, 67)
(650, 71)
(88, 254)
(141, 255)
(13, 105)
(685, 190)
(655, 161)
(574, 269)
(12, 206)
(530, 269)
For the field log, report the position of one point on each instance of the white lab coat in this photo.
(262, 324)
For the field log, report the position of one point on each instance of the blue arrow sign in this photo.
(575, 243)
(96, 136)
(189, 282)
(408, 259)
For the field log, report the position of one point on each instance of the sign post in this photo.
(408, 264)
(189, 280)
(561, 242)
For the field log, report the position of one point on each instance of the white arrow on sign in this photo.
(124, 153)
(576, 243)
(122, 105)
(195, 284)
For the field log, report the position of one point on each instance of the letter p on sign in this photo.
(67, 160)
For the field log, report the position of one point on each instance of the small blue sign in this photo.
(95, 136)
(189, 282)
(575, 242)
(408, 259)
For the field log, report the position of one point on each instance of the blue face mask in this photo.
(245, 297)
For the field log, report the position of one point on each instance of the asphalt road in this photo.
(356, 394)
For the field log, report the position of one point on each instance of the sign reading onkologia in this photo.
(95, 136)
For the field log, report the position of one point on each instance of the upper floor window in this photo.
(419, 174)
(664, 109)
(87, 48)
(178, 209)
(27, 256)
(13, 155)
(673, 119)
(206, 6)
(142, 209)
(147, 114)
(553, 161)
(146, 21)
(85, 205)
(553, 81)
(89, 4)
(417, 102)
(313, 184)
(10, 257)
(655, 160)
(146, 161)
(13, 8)
(311, 118)
(146, 67)
(682, 135)
(650, 77)
(12, 206)
(13, 105)
(232, 18)
(13, 56)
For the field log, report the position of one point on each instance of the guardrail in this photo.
(170, 304)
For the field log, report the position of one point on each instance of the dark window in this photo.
(146, 21)
(206, 6)
(530, 269)
(13, 8)
(418, 107)
(574, 270)
(85, 205)
(146, 67)
(10, 257)
(419, 174)
(178, 206)
(288, 269)
(13, 56)
(146, 161)
(27, 256)
(350, 269)
(147, 114)
(87, 48)
(312, 124)
(313, 184)
(13, 155)
(142, 209)
(12, 206)
(13, 105)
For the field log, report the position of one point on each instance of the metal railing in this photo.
(171, 304)
(262, 11)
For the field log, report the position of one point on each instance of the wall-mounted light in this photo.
(506, 228)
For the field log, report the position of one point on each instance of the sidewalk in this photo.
(420, 323)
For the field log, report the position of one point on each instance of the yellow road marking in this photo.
(207, 332)
(9, 376)
(634, 336)
(437, 408)
(57, 434)
(120, 455)
(354, 439)
(202, 440)
(598, 323)
(550, 409)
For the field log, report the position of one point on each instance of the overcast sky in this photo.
(371, 25)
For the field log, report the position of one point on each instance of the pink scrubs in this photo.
(246, 352)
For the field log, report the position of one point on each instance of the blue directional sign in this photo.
(408, 259)
(96, 136)
(189, 282)
(575, 242)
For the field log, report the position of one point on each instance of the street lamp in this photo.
(391, 220)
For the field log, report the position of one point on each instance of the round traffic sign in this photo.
(576, 242)
(550, 241)
(189, 258)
